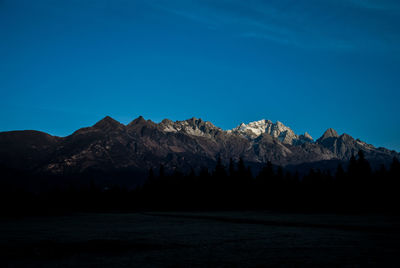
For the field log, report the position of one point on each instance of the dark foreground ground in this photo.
(223, 239)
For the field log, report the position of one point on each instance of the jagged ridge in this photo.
(278, 130)
(192, 143)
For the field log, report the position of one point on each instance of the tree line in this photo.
(354, 187)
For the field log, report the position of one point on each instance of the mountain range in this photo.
(109, 146)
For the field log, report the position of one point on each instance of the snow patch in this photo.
(277, 130)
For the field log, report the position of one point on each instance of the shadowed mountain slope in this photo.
(109, 146)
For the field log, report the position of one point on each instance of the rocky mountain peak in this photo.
(166, 121)
(308, 136)
(193, 126)
(277, 130)
(194, 121)
(329, 133)
(304, 138)
(346, 137)
(108, 124)
(139, 120)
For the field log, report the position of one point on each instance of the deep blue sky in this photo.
(309, 64)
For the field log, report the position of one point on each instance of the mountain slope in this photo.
(142, 144)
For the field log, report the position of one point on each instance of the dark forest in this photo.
(354, 187)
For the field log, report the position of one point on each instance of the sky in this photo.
(310, 64)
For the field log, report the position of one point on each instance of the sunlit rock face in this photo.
(192, 126)
(277, 130)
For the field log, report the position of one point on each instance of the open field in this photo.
(227, 239)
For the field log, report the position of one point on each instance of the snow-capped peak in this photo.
(255, 128)
(276, 130)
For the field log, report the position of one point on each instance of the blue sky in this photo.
(310, 64)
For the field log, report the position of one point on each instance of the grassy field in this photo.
(201, 239)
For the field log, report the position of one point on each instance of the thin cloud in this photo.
(311, 24)
(383, 5)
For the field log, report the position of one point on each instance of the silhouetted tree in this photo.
(161, 171)
(364, 167)
(267, 172)
(231, 168)
(395, 168)
(352, 168)
(150, 177)
(340, 174)
(220, 171)
(241, 170)
(204, 173)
